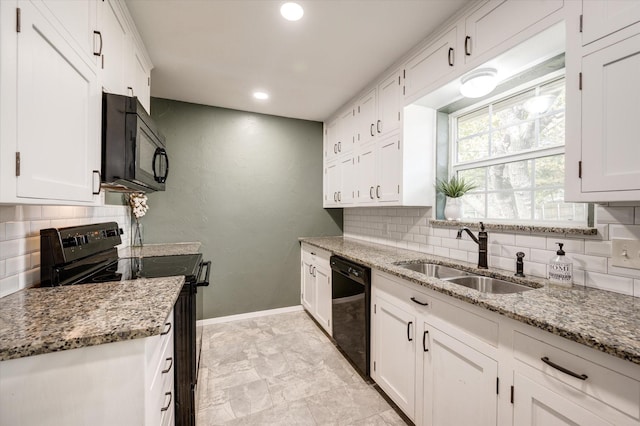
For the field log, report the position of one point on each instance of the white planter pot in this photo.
(453, 209)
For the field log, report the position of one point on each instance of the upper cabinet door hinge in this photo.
(580, 81)
(404, 73)
(497, 385)
(580, 169)
(398, 80)
(374, 309)
(18, 23)
(581, 22)
(17, 164)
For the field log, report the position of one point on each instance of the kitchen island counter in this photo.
(607, 321)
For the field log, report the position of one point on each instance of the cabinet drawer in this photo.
(609, 386)
(313, 255)
(475, 325)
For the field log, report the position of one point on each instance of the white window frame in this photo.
(531, 154)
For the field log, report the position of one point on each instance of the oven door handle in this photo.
(204, 283)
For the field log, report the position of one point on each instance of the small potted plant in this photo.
(453, 189)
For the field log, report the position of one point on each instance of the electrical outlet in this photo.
(626, 253)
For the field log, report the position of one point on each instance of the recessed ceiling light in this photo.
(479, 83)
(261, 95)
(291, 11)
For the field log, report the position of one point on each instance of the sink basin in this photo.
(489, 285)
(433, 270)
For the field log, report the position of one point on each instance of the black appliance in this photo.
(134, 155)
(87, 255)
(351, 311)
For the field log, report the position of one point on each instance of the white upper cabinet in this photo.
(366, 117)
(601, 18)
(603, 88)
(50, 107)
(431, 64)
(78, 23)
(116, 47)
(389, 105)
(499, 20)
(140, 76)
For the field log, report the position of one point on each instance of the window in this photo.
(512, 148)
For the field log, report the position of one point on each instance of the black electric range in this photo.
(87, 254)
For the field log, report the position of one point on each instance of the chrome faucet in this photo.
(481, 240)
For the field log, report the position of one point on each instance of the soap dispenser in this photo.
(560, 269)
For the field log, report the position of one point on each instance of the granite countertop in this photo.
(36, 321)
(169, 249)
(607, 321)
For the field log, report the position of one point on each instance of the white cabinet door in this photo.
(366, 174)
(346, 132)
(389, 169)
(499, 20)
(459, 382)
(140, 79)
(78, 23)
(307, 283)
(394, 353)
(535, 405)
(610, 109)
(332, 184)
(604, 17)
(58, 113)
(323, 292)
(366, 117)
(331, 140)
(116, 49)
(434, 62)
(389, 105)
(346, 191)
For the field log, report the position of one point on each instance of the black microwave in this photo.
(134, 156)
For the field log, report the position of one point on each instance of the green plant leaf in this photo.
(455, 187)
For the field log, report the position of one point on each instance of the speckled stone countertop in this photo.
(36, 321)
(170, 249)
(607, 321)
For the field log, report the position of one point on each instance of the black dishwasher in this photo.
(350, 310)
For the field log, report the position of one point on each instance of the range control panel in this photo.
(65, 245)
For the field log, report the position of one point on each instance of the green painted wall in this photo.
(247, 186)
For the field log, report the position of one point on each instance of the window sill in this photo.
(510, 227)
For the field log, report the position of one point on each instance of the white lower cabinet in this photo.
(393, 353)
(459, 382)
(463, 365)
(122, 383)
(315, 284)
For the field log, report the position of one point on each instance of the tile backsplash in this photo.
(409, 228)
(20, 237)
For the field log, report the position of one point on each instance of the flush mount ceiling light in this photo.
(479, 83)
(539, 104)
(261, 95)
(291, 11)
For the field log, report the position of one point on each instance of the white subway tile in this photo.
(15, 265)
(458, 255)
(403, 245)
(609, 282)
(502, 263)
(9, 213)
(636, 288)
(570, 245)
(413, 246)
(603, 231)
(589, 263)
(422, 239)
(423, 221)
(624, 272)
(441, 251)
(16, 230)
(32, 212)
(37, 225)
(531, 241)
(541, 256)
(408, 220)
(631, 232)
(578, 277)
(608, 214)
(3, 270)
(400, 212)
(510, 251)
(426, 230)
(407, 237)
(32, 244)
(507, 239)
(472, 257)
(35, 259)
(29, 278)
(402, 228)
(51, 212)
(13, 248)
(9, 285)
(441, 232)
(637, 219)
(413, 212)
(598, 248)
(535, 269)
(424, 248)
(494, 249)
(3, 235)
(467, 245)
(450, 243)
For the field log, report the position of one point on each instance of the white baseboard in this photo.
(249, 315)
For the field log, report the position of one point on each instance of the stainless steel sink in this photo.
(433, 270)
(488, 285)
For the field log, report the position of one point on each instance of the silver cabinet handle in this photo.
(310, 270)
(371, 192)
(378, 191)
(339, 146)
(168, 403)
(314, 271)
(93, 191)
(339, 195)
(371, 130)
(335, 196)
(170, 359)
(130, 89)
(378, 124)
(451, 56)
(547, 361)
(335, 148)
(467, 45)
(99, 52)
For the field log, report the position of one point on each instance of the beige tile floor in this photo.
(282, 370)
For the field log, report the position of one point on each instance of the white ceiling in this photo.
(218, 52)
